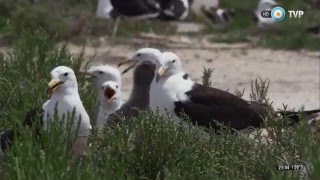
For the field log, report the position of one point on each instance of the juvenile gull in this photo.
(110, 101)
(139, 98)
(101, 74)
(143, 54)
(173, 92)
(64, 101)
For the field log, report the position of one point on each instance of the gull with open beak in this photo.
(101, 74)
(64, 101)
(143, 54)
(110, 101)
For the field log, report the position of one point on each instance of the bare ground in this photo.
(294, 75)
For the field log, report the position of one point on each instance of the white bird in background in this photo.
(173, 92)
(103, 73)
(104, 9)
(65, 101)
(262, 6)
(110, 101)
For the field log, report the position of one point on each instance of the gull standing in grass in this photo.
(139, 98)
(144, 59)
(110, 101)
(173, 92)
(101, 74)
(65, 101)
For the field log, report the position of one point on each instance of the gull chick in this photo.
(110, 101)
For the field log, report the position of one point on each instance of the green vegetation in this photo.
(287, 34)
(74, 20)
(148, 147)
(66, 20)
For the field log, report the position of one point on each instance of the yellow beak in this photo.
(53, 85)
(131, 63)
(161, 72)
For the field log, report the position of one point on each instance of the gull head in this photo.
(62, 78)
(143, 54)
(104, 73)
(168, 64)
(144, 73)
(111, 91)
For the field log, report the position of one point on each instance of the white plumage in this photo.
(146, 54)
(110, 101)
(169, 85)
(103, 73)
(65, 101)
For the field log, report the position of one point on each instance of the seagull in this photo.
(218, 14)
(65, 101)
(137, 8)
(144, 60)
(143, 54)
(103, 73)
(105, 9)
(174, 10)
(139, 98)
(110, 101)
(173, 92)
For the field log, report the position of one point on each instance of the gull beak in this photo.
(112, 98)
(53, 85)
(131, 63)
(85, 73)
(109, 94)
(161, 72)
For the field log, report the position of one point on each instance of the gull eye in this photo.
(102, 87)
(65, 74)
(139, 55)
(173, 61)
(100, 72)
(117, 86)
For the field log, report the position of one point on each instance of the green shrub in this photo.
(147, 147)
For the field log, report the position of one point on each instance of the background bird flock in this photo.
(148, 145)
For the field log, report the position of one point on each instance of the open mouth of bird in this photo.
(52, 87)
(109, 93)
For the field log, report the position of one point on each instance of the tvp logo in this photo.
(278, 14)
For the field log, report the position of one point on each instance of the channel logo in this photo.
(278, 14)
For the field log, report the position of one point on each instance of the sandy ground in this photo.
(294, 75)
